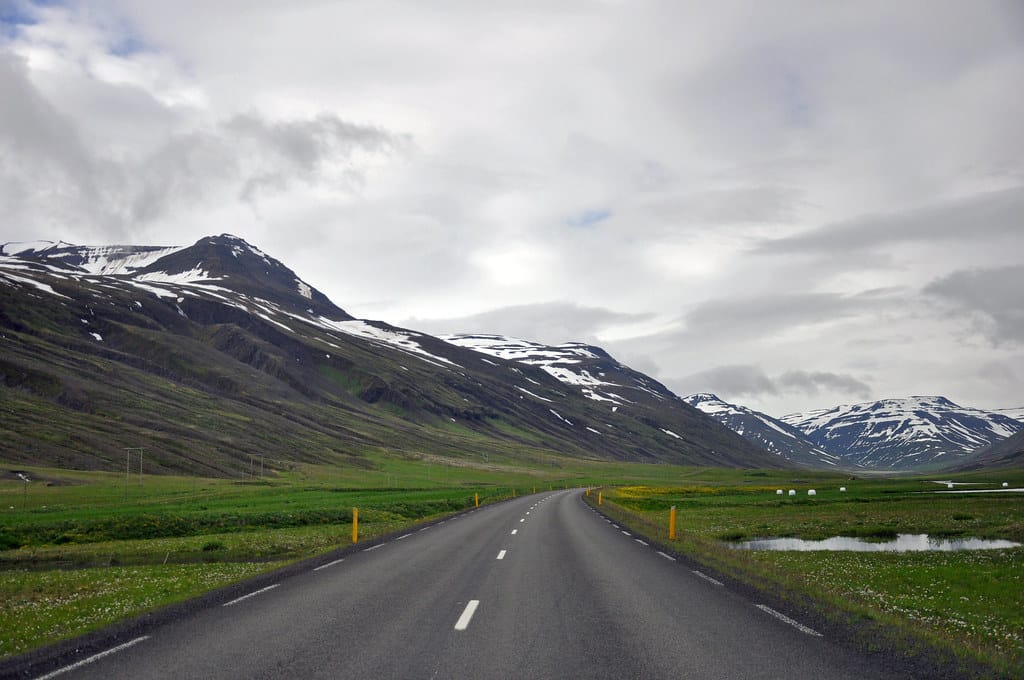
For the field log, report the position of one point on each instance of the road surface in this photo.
(536, 587)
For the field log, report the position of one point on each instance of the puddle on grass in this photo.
(902, 543)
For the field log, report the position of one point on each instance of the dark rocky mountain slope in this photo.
(209, 353)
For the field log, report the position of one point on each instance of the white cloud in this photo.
(759, 184)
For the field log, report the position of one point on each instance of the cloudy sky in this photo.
(792, 204)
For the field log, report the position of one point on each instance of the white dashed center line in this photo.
(515, 531)
(246, 597)
(708, 578)
(782, 617)
(667, 557)
(94, 657)
(329, 564)
(401, 537)
(640, 542)
(373, 547)
(501, 555)
(467, 615)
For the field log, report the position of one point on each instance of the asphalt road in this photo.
(537, 587)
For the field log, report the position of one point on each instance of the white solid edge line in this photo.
(94, 657)
(467, 615)
(667, 557)
(424, 528)
(373, 547)
(246, 597)
(501, 555)
(782, 617)
(329, 564)
(627, 533)
(514, 531)
(640, 542)
(708, 578)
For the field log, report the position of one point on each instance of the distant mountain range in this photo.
(904, 433)
(207, 354)
(769, 433)
(891, 434)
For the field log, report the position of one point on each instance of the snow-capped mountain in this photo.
(769, 433)
(600, 378)
(1005, 453)
(903, 433)
(1015, 413)
(216, 350)
(90, 259)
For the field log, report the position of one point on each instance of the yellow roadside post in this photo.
(355, 525)
(476, 500)
(672, 523)
(588, 491)
(599, 498)
(535, 489)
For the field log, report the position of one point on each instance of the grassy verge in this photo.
(37, 607)
(968, 605)
(81, 553)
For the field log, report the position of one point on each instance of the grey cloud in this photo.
(39, 150)
(990, 298)
(813, 382)
(550, 323)
(991, 215)
(769, 314)
(737, 380)
(52, 176)
(746, 380)
(251, 157)
(760, 204)
(301, 149)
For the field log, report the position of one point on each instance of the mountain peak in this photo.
(903, 432)
(769, 433)
(702, 397)
(231, 262)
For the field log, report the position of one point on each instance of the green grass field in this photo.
(80, 550)
(968, 603)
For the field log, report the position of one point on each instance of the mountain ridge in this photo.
(770, 433)
(214, 351)
(915, 431)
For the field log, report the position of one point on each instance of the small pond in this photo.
(902, 543)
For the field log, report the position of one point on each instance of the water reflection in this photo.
(902, 543)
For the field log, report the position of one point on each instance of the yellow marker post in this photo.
(672, 523)
(476, 500)
(599, 498)
(535, 489)
(513, 493)
(355, 525)
(588, 492)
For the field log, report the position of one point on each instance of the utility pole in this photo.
(128, 467)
